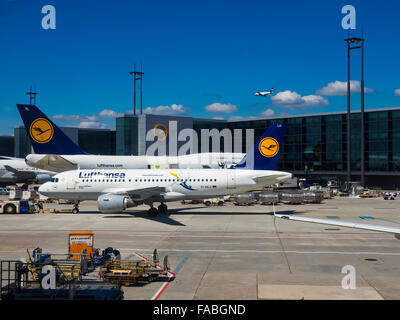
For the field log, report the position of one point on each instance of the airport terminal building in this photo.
(315, 144)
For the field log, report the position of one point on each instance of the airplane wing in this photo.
(20, 173)
(138, 194)
(364, 226)
(268, 179)
(55, 163)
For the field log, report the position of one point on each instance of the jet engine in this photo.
(42, 178)
(114, 203)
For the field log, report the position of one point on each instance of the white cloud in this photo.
(292, 100)
(90, 118)
(315, 101)
(107, 113)
(174, 109)
(66, 117)
(221, 108)
(92, 124)
(267, 113)
(286, 97)
(397, 92)
(218, 118)
(238, 118)
(339, 88)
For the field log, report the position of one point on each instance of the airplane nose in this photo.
(43, 188)
(30, 159)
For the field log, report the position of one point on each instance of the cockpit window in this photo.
(54, 180)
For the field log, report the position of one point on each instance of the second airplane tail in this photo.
(265, 153)
(45, 136)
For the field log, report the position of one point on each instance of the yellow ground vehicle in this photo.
(128, 272)
(123, 277)
(366, 194)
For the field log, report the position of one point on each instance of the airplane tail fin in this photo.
(45, 136)
(265, 153)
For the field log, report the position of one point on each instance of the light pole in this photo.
(350, 42)
(137, 75)
(32, 96)
(362, 168)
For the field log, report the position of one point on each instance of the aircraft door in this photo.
(231, 176)
(71, 183)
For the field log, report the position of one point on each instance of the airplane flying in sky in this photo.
(264, 93)
(56, 152)
(116, 190)
(15, 170)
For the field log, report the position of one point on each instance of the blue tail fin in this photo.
(265, 153)
(45, 136)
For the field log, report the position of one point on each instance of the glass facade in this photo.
(97, 141)
(292, 149)
(335, 140)
(127, 139)
(22, 145)
(377, 142)
(7, 146)
(318, 143)
(394, 156)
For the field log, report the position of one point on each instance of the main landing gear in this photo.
(153, 212)
(76, 207)
(162, 208)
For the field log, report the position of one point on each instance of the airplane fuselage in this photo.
(178, 184)
(60, 163)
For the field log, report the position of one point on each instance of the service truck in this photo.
(16, 206)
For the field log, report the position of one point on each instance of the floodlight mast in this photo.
(137, 75)
(32, 96)
(350, 42)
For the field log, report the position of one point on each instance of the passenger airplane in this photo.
(116, 190)
(265, 93)
(56, 152)
(15, 170)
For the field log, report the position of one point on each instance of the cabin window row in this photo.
(149, 180)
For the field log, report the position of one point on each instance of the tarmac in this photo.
(234, 252)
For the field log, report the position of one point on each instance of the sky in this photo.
(200, 58)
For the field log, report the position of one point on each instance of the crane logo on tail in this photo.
(268, 147)
(41, 130)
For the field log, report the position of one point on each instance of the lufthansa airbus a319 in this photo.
(116, 190)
